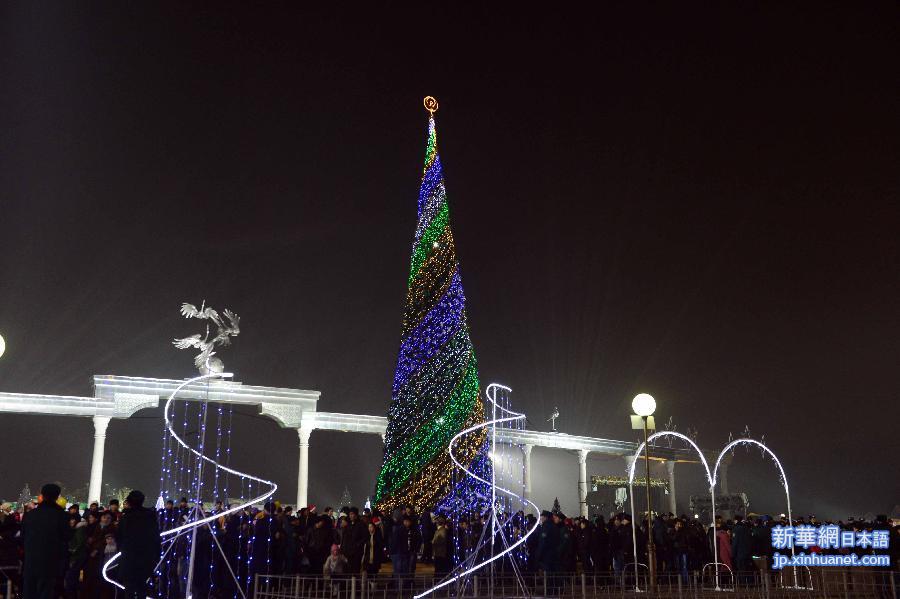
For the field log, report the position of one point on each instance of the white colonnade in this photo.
(120, 397)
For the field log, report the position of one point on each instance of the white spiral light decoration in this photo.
(512, 417)
(171, 534)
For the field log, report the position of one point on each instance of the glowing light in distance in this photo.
(643, 404)
(2, 346)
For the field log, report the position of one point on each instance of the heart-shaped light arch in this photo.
(709, 477)
(712, 478)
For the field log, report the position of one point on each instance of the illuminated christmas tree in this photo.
(25, 496)
(435, 393)
(345, 500)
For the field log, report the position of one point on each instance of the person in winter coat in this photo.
(139, 543)
(440, 547)
(77, 554)
(110, 549)
(600, 547)
(319, 539)
(742, 550)
(336, 564)
(615, 545)
(94, 555)
(662, 542)
(723, 538)
(681, 549)
(46, 532)
(353, 540)
(584, 535)
(548, 544)
(427, 528)
(567, 548)
(624, 543)
(404, 546)
(467, 539)
(373, 550)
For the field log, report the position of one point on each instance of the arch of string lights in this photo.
(763, 447)
(191, 525)
(711, 477)
(783, 480)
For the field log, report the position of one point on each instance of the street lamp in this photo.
(644, 405)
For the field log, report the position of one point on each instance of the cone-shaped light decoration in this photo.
(436, 391)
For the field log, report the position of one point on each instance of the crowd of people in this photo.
(63, 550)
(50, 551)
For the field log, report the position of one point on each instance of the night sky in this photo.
(699, 201)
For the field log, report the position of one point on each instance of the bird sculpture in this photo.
(553, 417)
(226, 328)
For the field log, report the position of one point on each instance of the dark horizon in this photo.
(696, 202)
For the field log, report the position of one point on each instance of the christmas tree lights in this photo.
(435, 393)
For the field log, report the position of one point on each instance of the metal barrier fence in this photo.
(816, 583)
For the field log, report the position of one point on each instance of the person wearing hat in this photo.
(139, 543)
(566, 551)
(548, 544)
(46, 532)
(113, 508)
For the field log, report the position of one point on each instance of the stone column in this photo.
(670, 466)
(723, 475)
(582, 481)
(303, 468)
(526, 449)
(95, 487)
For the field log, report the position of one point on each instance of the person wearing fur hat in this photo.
(46, 532)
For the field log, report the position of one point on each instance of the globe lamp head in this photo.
(643, 404)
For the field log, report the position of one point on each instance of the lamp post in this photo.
(644, 405)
